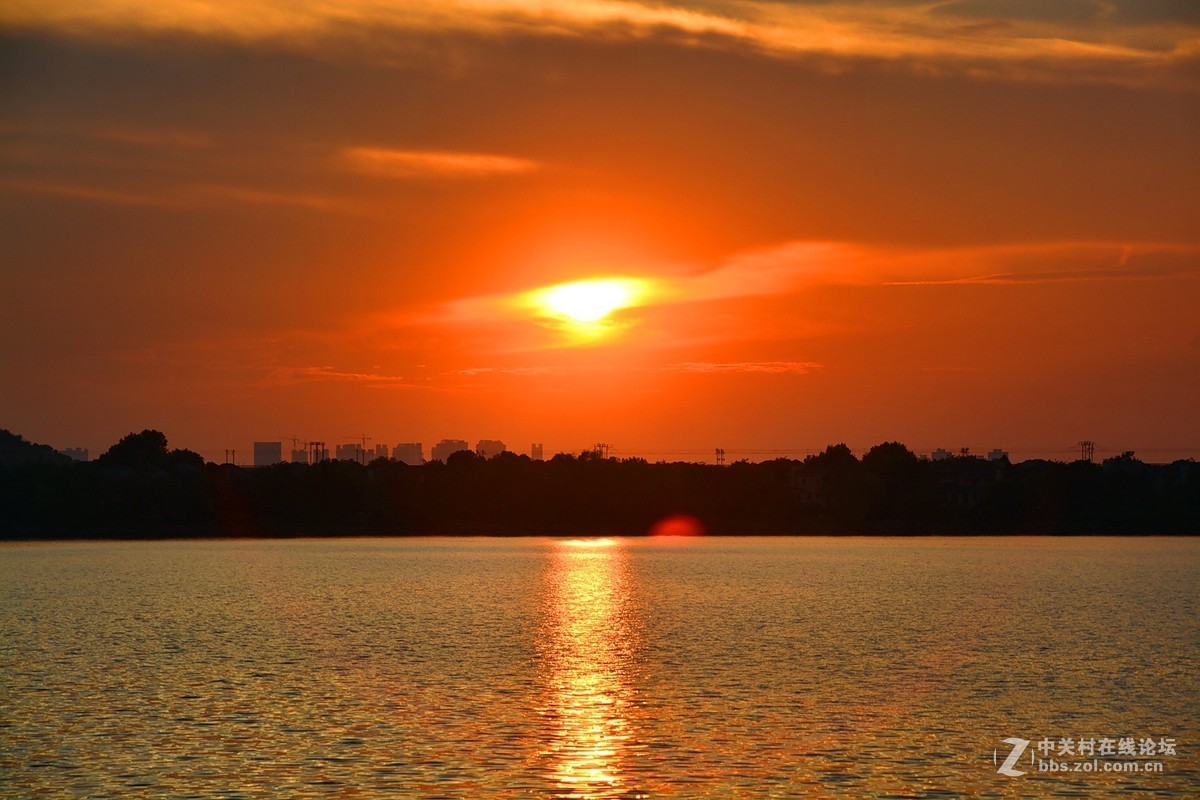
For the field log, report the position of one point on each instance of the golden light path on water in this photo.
(587, 643)
(697, 668)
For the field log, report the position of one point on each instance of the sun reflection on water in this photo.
(586, 644)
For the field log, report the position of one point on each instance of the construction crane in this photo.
(296, 442)
(362, 451)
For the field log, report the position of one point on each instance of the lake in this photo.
(667, 667)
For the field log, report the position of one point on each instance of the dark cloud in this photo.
(1183, 12)
(1061, 11)
(1177, 12)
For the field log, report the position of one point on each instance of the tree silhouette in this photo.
(148, 448)
(835, 458)
(889, 459)
(139, 488)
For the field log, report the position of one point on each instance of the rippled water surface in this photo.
(655, 668)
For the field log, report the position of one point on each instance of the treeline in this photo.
(140, 488)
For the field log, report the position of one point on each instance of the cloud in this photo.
(765, 367)
(1048, 262)
(152, 137)
(792, 267)
(299, 19)
(774, 270)
(133, 135)
(1081, 40)
(689, 367)
(1072, 276)
(256, 196)
(432, 163)
(471, 372)
(1068, 11)
(292, 375)
(75, 191)
(180, 197)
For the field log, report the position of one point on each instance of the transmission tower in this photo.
(602, 449)
(1087, 450)
(720, 457)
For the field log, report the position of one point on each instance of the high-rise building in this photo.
(997, 455)
(299, 456)
(447, 447)
(535, 451)
(410, 453)
(76, 453)
(267, 453)
(941, 454)
(348, 452)
(489, 448)
(381, 451)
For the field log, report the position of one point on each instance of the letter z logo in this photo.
(1018, 747)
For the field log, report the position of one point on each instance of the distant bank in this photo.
(142, 489)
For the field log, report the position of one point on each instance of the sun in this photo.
(588, 302)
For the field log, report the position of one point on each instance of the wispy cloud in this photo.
(687, 367)
(390, 163)
(1076, 276)
(765, 367)
(95, 194)
(471, 372)
(793, 267)
(292, 375)
(187, 196)
(1048, 262)
(155, 137)
(152, 135)
(1023, 40)
(796, 265)
(256, 196)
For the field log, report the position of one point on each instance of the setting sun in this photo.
(588, 301)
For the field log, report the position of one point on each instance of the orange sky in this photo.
(966, 223)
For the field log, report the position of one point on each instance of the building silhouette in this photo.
(267, 453)
(489, 448)
(348, 452)
(76, 453)
(410, 453)
(300, 456)
(381, 451)
(447, 447)
(535, 451)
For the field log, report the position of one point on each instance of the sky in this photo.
(670, 227)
